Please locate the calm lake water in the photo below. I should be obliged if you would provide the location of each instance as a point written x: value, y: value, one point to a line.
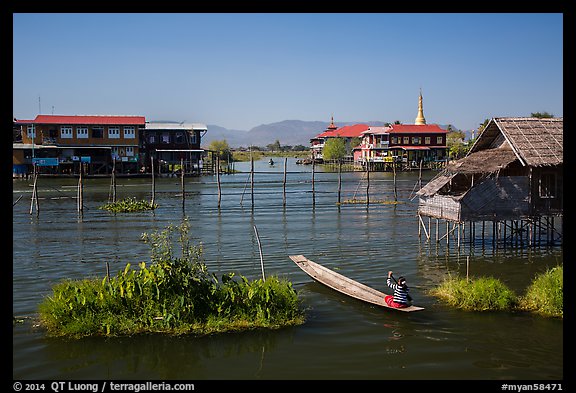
x: 342, y: 338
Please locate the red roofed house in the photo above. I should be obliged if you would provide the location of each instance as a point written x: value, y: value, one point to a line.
x: 346, y: 132
x: 57, y: 143
x: 405, y: 143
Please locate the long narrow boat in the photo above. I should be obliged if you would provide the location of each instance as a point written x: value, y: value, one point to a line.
x: 344, y: 284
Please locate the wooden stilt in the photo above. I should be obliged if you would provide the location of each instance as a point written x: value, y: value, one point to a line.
x: 284, y: 183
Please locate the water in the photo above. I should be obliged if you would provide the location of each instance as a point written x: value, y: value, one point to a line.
x: 342, y: 338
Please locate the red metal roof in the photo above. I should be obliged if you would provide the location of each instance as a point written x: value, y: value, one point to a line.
x: 416, y: 129
x: 345, y: 132
x: 92, y: 119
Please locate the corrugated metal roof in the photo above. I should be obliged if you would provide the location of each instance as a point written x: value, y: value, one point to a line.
x: 346, y: 132
x: 176, y: 126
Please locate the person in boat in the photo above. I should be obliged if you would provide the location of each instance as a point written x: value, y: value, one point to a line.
x: 401, y: 298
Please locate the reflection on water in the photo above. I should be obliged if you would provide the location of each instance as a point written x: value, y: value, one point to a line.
x: 342, y: 338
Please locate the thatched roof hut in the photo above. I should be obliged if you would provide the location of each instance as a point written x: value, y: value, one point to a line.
x: 508, y: 173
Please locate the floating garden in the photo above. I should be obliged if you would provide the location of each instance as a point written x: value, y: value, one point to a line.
x: 127, y: 205
x: 172, y: 295
x: 544, y: 296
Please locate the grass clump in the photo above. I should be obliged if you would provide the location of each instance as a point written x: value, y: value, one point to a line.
x: 128, y: 205
x: 481, y: 294
x: 545, y: 294
x: 174, y: 295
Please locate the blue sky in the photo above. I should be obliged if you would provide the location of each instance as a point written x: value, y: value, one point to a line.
x: 242, y: 70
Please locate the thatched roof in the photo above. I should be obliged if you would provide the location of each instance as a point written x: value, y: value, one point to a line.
x: 484, y: 161
x: 535, y: 141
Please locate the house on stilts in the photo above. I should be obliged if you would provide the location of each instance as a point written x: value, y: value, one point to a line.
x: 512, y: 179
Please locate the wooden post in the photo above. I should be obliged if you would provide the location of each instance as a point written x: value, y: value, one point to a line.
x: 218, y: 179
x: 313, y: 190
x: 367, y: 183
x: 339, y: 179
x: 182, y: 185
x: 153, y: 182
x: 34, y: 200
x: 252, y: 178
x: 420, y: 174
x: 394, y: 171
x: 467, y: 267
x: 80, y: 202
x: 113, y: 179
x: 260, y: 249
x: 284, y: 183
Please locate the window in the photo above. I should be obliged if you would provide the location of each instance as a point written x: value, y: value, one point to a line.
x: 98, y: 132
x: 114, y: 152
x: 66, y: 132
x: 179, y: 137
x: 548, y: 185
x: 394, y: 140
x: 406, y: 140
x: 193, y: 139
x: 82, y: 132
x: 165, y: 137
x: 114, y: 132
x: 31, y: 131
x: 415, y: 140
x: 152, y: 138
x: 439, y: 140
x: 129, y: 133
x: 427, y: 140
x: 129, y: 151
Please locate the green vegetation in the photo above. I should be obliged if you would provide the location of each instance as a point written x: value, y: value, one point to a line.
x: 485, y: 293
x: 128, y: 205
x: 334, y: 149
x: 174, y: 295
x: 544, y: 296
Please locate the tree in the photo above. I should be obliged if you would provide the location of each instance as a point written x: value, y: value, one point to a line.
x: 274, y: 146
x: 542, y: 115
x: 334, y: 149
x: 222, y: 148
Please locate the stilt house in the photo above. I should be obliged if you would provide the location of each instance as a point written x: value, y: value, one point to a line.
x: 514, y: 171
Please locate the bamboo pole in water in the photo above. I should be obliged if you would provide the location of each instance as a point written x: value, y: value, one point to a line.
x: 218, y: 179
x: 182, y: 186
x: 34, y: 200
x: 153, y: 182
x: 367, y: 183
x: 313, y: 189
x: 284, y: 183
x: 339, y: 179
x: 113, y: 180
x: 80, y: 195
x: 252, y: 178
x: 260, y: 249
x: 395, y: 192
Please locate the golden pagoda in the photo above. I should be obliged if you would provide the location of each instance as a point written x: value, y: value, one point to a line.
x: 420, y: 120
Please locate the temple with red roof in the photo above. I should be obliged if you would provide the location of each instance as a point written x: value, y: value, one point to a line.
x: 402, y: 145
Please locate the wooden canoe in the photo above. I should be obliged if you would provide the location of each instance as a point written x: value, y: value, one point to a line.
x: 344, y: 284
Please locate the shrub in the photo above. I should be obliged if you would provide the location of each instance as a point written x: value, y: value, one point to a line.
x: 128, y: 205
x: 481, y: 294
x: 545, y: 294
x: 175, y: 295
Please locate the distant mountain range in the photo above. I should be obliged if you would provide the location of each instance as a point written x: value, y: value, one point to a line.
x: 287, y: 132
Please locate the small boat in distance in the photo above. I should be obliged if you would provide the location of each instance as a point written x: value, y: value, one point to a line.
x: 344, y: 284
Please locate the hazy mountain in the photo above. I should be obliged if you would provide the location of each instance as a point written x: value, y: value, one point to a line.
x: 288, y: 132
